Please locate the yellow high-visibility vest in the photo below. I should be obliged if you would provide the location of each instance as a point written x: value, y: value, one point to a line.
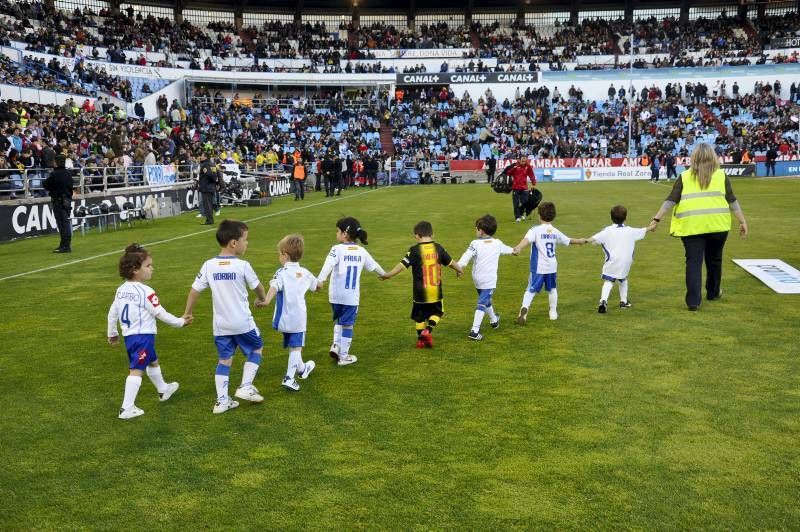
x: 701, y: 211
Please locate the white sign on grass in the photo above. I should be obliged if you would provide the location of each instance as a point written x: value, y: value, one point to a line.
x: 774, y: 273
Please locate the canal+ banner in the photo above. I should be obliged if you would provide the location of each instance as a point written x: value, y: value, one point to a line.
x: 449, y: 78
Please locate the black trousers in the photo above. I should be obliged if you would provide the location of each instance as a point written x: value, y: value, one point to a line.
x: 520, y: 198
x: 771, y: 166
x: 703, y: 248
x: 330, y: 184
x: 61, y: 210
x: 671, y: 173
x: 208, y: 205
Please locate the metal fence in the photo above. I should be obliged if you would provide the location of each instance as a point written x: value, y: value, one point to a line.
x: 29, y: 183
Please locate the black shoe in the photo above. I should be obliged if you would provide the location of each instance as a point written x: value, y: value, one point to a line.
x: 62, y: 250
x: 625, y: 304
x: 693, y: 308
x: 206, y: 223
x: 601, y: 309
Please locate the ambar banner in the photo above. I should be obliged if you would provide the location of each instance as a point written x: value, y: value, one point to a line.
x: 447, y: 78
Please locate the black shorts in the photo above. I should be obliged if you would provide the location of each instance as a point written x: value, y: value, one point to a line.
x: 421, y: 312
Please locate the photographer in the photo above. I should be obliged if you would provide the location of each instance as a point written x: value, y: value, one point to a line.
x: 59, y: 185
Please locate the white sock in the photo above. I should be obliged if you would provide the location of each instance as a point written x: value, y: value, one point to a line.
x: 344, y: 346
x: 605, y: 293
x: 477, y: 320
x: 249, y: 373
x: 156, y: 378
x: 527, y: 298
x: 623, y: 291
x: 491, y: 314
x: 221, y: 382
x: 337, y: 334
x: 295, y: 363
x: 552, y: 298
x: 132, y: 384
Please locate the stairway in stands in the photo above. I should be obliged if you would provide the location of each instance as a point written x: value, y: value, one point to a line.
x: 387, y: 142
x: 708, y: 116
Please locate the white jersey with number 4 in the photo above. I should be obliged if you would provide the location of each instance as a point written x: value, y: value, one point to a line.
x: 486, y: 252
x: 347, y: 262
x: 544, y: 238
x: 136, y: 307
x: 229, y: 278
x: 618, y: 242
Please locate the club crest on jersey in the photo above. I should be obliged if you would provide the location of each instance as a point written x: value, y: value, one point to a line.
x: 153, y: 298
x: 224, y: 263
x: 351, y: 248
x: 298, y: 275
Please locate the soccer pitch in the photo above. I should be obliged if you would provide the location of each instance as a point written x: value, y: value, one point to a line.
x: 650, y: 417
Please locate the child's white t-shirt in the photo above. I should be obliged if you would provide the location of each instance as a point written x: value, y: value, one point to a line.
x: 136, y: 306
x: 229, y: 278
x: 346, y: 261
x: 292, y: 282
x: 618, y: 242
x: 543, y: 239
x: 486, y: 252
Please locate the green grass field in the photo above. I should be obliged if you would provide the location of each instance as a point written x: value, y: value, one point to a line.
x: 646, y: 418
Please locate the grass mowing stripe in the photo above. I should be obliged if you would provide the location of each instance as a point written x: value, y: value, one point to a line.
x: 181, y: 237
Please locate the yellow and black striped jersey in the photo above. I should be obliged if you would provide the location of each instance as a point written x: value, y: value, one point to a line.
x: 425, y: 260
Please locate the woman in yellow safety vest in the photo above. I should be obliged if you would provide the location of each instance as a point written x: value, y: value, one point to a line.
x: 299, y: 179
x: 702, y: 201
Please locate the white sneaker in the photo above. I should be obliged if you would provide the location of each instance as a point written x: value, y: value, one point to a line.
x: 171, y: 389
x: 310, y: 365
x: 224, y: 406
x: 249, y: 393
x: 553, y: 315
x: 518, y: 220
x: 347, y: 360
x: 216, y: 213
x: 130, y: 413
x: 199, y: 215
x: 334, y: 351
x: 290, y: 384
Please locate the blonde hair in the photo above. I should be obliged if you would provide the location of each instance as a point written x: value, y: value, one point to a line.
x: 293, y: 246
x: 704, y: 162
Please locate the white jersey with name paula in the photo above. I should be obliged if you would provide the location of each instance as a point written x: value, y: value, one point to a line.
x: 229, y: 279
x: 486, y: 252
x: 291, y: 282
x: 136, y: 307
x: 618, y: 242
x: 544, y: 238
x: 347, y: 262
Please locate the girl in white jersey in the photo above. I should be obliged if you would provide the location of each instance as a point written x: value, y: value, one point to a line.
x: 346, y: 261
x: 136, y: 306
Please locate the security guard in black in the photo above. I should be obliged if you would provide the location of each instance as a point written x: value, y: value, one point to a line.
x: 59, y: 185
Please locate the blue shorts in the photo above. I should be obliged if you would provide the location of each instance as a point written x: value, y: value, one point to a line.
x: 141, y: 350
x: 485, y: 296
x: 609, y: 278
x: 297, y: 339
x: 248, y: 343
x: 344, y: 314
x: 538, y: 280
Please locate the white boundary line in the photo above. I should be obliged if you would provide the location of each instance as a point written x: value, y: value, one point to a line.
x: 189, y: 235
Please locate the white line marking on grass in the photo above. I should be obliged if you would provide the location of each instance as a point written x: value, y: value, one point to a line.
x: 181, y: 237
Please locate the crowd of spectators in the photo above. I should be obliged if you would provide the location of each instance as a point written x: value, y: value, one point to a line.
x: 723, y: 40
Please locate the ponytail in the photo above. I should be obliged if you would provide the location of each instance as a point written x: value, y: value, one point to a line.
x: 352, y: 227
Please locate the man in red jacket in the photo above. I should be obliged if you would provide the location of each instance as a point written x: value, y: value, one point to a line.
x: 520, y: 173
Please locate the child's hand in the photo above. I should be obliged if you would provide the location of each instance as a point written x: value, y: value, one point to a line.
x: 260, y: 303
x: 113, y: 340
x: 459, y: 274
x: 515, y: 252
x: 320, y: 284
x: 187, y: 320
x: 652, y: 227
